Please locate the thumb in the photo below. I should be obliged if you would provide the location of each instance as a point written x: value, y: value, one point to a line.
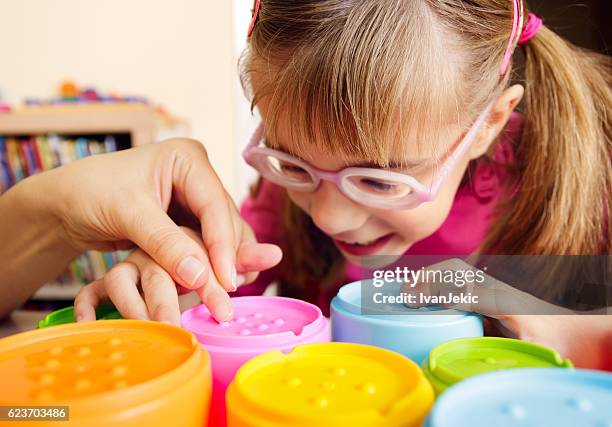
x: 153, y: 231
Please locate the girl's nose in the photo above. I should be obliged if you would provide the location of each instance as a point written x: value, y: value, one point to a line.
x: 333, y: 212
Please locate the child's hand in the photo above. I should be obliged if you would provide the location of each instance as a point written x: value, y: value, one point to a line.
x: 121, y: 284
x: 583, y: 338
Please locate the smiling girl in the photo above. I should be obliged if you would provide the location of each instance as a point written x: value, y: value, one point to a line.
x: 389, y: 128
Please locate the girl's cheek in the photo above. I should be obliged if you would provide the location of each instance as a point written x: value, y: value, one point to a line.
x: 302, y: 200
x: 416, y: 224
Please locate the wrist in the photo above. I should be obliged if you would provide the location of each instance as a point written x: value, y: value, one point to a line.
x: 41, y: 201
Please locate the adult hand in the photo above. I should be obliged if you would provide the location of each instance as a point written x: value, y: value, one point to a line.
x: 121, y: 199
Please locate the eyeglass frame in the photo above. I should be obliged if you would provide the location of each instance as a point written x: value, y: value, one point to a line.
x: 419, y: 194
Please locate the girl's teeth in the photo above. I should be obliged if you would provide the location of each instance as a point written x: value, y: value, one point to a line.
x: 366, y: 243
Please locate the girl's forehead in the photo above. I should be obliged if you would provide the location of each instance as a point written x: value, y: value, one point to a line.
x: 408, y: 152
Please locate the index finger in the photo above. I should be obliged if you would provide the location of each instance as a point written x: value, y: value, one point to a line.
x: 199, y: 186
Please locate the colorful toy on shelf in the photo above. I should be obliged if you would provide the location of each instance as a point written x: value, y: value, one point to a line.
x: 117, y: 372
x: 331, y: 384
x: 259, y: 324
x: 411, y: 332
x: 454, y: 361
x: 66, y: 315
x: 89, y: 94
x: 527, y: 397
x: 69, y: 91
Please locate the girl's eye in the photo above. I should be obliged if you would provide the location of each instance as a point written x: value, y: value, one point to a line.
x: 289, y: 169
x: 293, y: 172
x: 379, y: 186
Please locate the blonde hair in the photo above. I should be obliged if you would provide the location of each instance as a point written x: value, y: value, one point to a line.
x: 358, y: 77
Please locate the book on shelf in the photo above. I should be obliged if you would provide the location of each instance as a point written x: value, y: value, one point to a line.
x: 21, y: 157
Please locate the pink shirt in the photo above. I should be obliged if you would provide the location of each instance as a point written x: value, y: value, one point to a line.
x: 462, y: 233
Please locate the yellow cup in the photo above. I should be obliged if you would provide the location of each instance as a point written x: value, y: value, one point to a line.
x: 330, y: 384
x: 127, y: 373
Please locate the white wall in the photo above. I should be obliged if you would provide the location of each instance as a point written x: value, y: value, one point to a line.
x: 180, y: 53
x: 246, y: 123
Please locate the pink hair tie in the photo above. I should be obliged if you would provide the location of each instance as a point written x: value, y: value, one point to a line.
x: 256, y: 5
x: 534, y: 23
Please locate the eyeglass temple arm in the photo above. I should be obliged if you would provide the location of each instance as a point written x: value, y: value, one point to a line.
x: 254, y: 141
x: 450, y: 164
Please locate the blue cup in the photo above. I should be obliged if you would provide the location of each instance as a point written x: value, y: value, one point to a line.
x: 411, y: 332
x: 527, y: 396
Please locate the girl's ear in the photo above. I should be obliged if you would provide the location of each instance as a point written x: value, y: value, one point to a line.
x: 498, y: 117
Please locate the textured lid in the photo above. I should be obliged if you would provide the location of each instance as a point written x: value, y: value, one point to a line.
x: 349, y: 299
x: 258, y: 322
x: 527, y: 397
x: 331, y: 384
x: 85, y: 361
x: 66, y: 315
x: 455, y: 360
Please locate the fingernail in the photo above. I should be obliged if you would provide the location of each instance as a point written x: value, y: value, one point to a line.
x: 234, y: 279
x: 224, y: 312
x: 189, y: 270
x: 240, y: 280
x: 78, y: 318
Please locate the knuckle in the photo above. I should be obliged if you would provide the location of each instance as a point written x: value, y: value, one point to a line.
x: 218, y: 246
x: 163, y: 239
x: 206, y: 292
x: 158, y: 309
x: 82, y: 294
x: 116, y: 274
x: 155, y: 276
x: 190, y: 146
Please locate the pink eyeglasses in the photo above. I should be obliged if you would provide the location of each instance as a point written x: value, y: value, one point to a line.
x: 374, y: 187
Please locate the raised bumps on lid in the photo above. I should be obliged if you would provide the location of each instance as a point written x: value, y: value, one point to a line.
x: 456, y: 360
x: 527, y: 397
x: 329, y: 384
x: 256, y: 320
x: 78, y: 361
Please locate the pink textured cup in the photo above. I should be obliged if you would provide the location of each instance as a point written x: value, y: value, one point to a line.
x: 260, y: 324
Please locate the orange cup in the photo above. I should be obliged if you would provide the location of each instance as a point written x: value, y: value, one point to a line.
x: 111, y: 372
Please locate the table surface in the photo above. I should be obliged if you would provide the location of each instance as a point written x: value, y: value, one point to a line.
x: 20, y: 321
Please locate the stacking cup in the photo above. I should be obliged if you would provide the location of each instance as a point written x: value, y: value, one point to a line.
x: 329, y: 385
x: 118, y: 372
x: 259, y: 324
x: 454, y: 361
x: 411, y: 332
x: 527, y: 397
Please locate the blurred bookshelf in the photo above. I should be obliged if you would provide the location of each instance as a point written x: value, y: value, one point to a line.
x: 35, y: 138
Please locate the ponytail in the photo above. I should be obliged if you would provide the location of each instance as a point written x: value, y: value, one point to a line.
x: 562, y: 205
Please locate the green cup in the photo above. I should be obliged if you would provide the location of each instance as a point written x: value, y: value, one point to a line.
x: 456, y: 360
x: 66, y: 315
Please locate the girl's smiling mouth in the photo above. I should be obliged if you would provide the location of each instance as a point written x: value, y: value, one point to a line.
x: 366, y: 248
